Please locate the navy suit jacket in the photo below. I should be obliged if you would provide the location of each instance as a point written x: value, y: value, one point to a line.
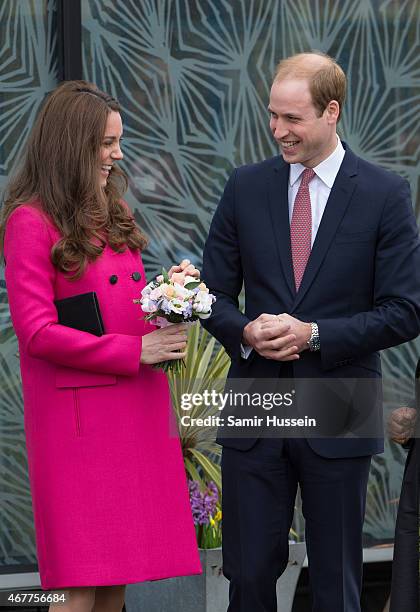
x: 361, y: 284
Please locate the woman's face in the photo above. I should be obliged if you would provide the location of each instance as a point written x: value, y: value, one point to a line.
x: 111, y: 145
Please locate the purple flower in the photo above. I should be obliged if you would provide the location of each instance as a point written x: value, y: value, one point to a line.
x: 187, y: 312
x: 203, y: 503
x: 165, y: 306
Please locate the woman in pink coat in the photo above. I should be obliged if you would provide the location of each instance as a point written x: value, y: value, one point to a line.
x: 108, y: 484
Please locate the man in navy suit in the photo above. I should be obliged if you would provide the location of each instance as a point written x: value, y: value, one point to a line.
x: 327, y: 248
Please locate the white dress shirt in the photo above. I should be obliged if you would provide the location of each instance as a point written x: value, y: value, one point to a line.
x: 319, y: 190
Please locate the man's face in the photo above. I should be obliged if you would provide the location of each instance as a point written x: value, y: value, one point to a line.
x: 301, y: 134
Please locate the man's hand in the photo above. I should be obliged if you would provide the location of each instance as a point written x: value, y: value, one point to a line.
x: 271, y: 338
x: 284, y: 324
x: 300, y: 329
x: 401, y: 424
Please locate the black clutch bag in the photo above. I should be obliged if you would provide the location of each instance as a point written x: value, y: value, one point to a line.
x: 81, y: 312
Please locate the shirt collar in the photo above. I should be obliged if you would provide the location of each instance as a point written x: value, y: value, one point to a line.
x: 327, y: 170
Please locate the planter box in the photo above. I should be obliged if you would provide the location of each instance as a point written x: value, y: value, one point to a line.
x: 210, y: 591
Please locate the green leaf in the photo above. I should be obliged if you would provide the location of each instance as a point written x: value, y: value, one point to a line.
x: 192, y: 471
x: 206, y: 367
x: 209, y: 467
x: 192, y: 285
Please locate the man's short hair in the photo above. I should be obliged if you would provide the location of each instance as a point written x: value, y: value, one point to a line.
x: 327, y: 80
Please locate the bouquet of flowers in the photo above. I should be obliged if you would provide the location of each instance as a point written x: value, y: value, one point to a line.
x: 207, y: 516
x: 178, y: 299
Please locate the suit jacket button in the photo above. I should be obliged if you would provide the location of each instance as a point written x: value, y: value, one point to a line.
x: 136, y: 276
x: 113, y: 279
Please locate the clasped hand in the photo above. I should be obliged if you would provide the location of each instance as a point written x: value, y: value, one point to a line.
x: 279, y: 337
x: 401, y: 424
x: 168, y: 343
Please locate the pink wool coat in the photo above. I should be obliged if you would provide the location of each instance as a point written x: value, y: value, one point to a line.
x: 108, y: 485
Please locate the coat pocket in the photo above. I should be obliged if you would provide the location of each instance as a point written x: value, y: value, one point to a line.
x: 74, y: 381
x: 70, y: 378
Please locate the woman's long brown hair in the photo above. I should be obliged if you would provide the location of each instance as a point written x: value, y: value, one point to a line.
x: 61, y: 166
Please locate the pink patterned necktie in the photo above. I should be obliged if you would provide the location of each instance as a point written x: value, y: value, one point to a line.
x: 301, y: 227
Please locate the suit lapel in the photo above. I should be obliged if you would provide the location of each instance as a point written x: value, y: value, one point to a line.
x: 337, y: 203
x: 279, y: 211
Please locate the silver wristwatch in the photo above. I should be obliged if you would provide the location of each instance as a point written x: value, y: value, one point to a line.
x: 313, y: 342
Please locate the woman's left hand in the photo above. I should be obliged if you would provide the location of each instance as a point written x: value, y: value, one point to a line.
x: 186, y: 268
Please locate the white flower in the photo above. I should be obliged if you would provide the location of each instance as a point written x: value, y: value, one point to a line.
x: 148, y: 305
x: 181, y: 292
x: 190, y: 279
x: 177, y: 307
x: 146, y: 290
x: 203, y: 315
x: 203, y: 302
x: 156, y: 293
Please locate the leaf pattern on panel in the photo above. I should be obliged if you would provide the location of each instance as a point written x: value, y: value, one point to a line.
x: 27, y: 70
x: 16, y: 521
x: 6, y: 329
x: 27, y: 73
x: 193, y: 77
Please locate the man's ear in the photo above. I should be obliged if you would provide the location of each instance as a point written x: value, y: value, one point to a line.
x: 332, y: 111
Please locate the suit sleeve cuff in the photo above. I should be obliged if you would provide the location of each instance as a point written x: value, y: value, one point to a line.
x: 246, y: 351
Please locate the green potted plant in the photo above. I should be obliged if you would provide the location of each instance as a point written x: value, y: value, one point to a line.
x: 205, y: 368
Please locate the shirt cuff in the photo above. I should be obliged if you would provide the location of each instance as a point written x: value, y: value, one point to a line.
x: 246, y: 351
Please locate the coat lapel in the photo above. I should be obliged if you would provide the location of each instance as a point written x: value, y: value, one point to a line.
x: 279, y: 211
x: 337, y: 203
